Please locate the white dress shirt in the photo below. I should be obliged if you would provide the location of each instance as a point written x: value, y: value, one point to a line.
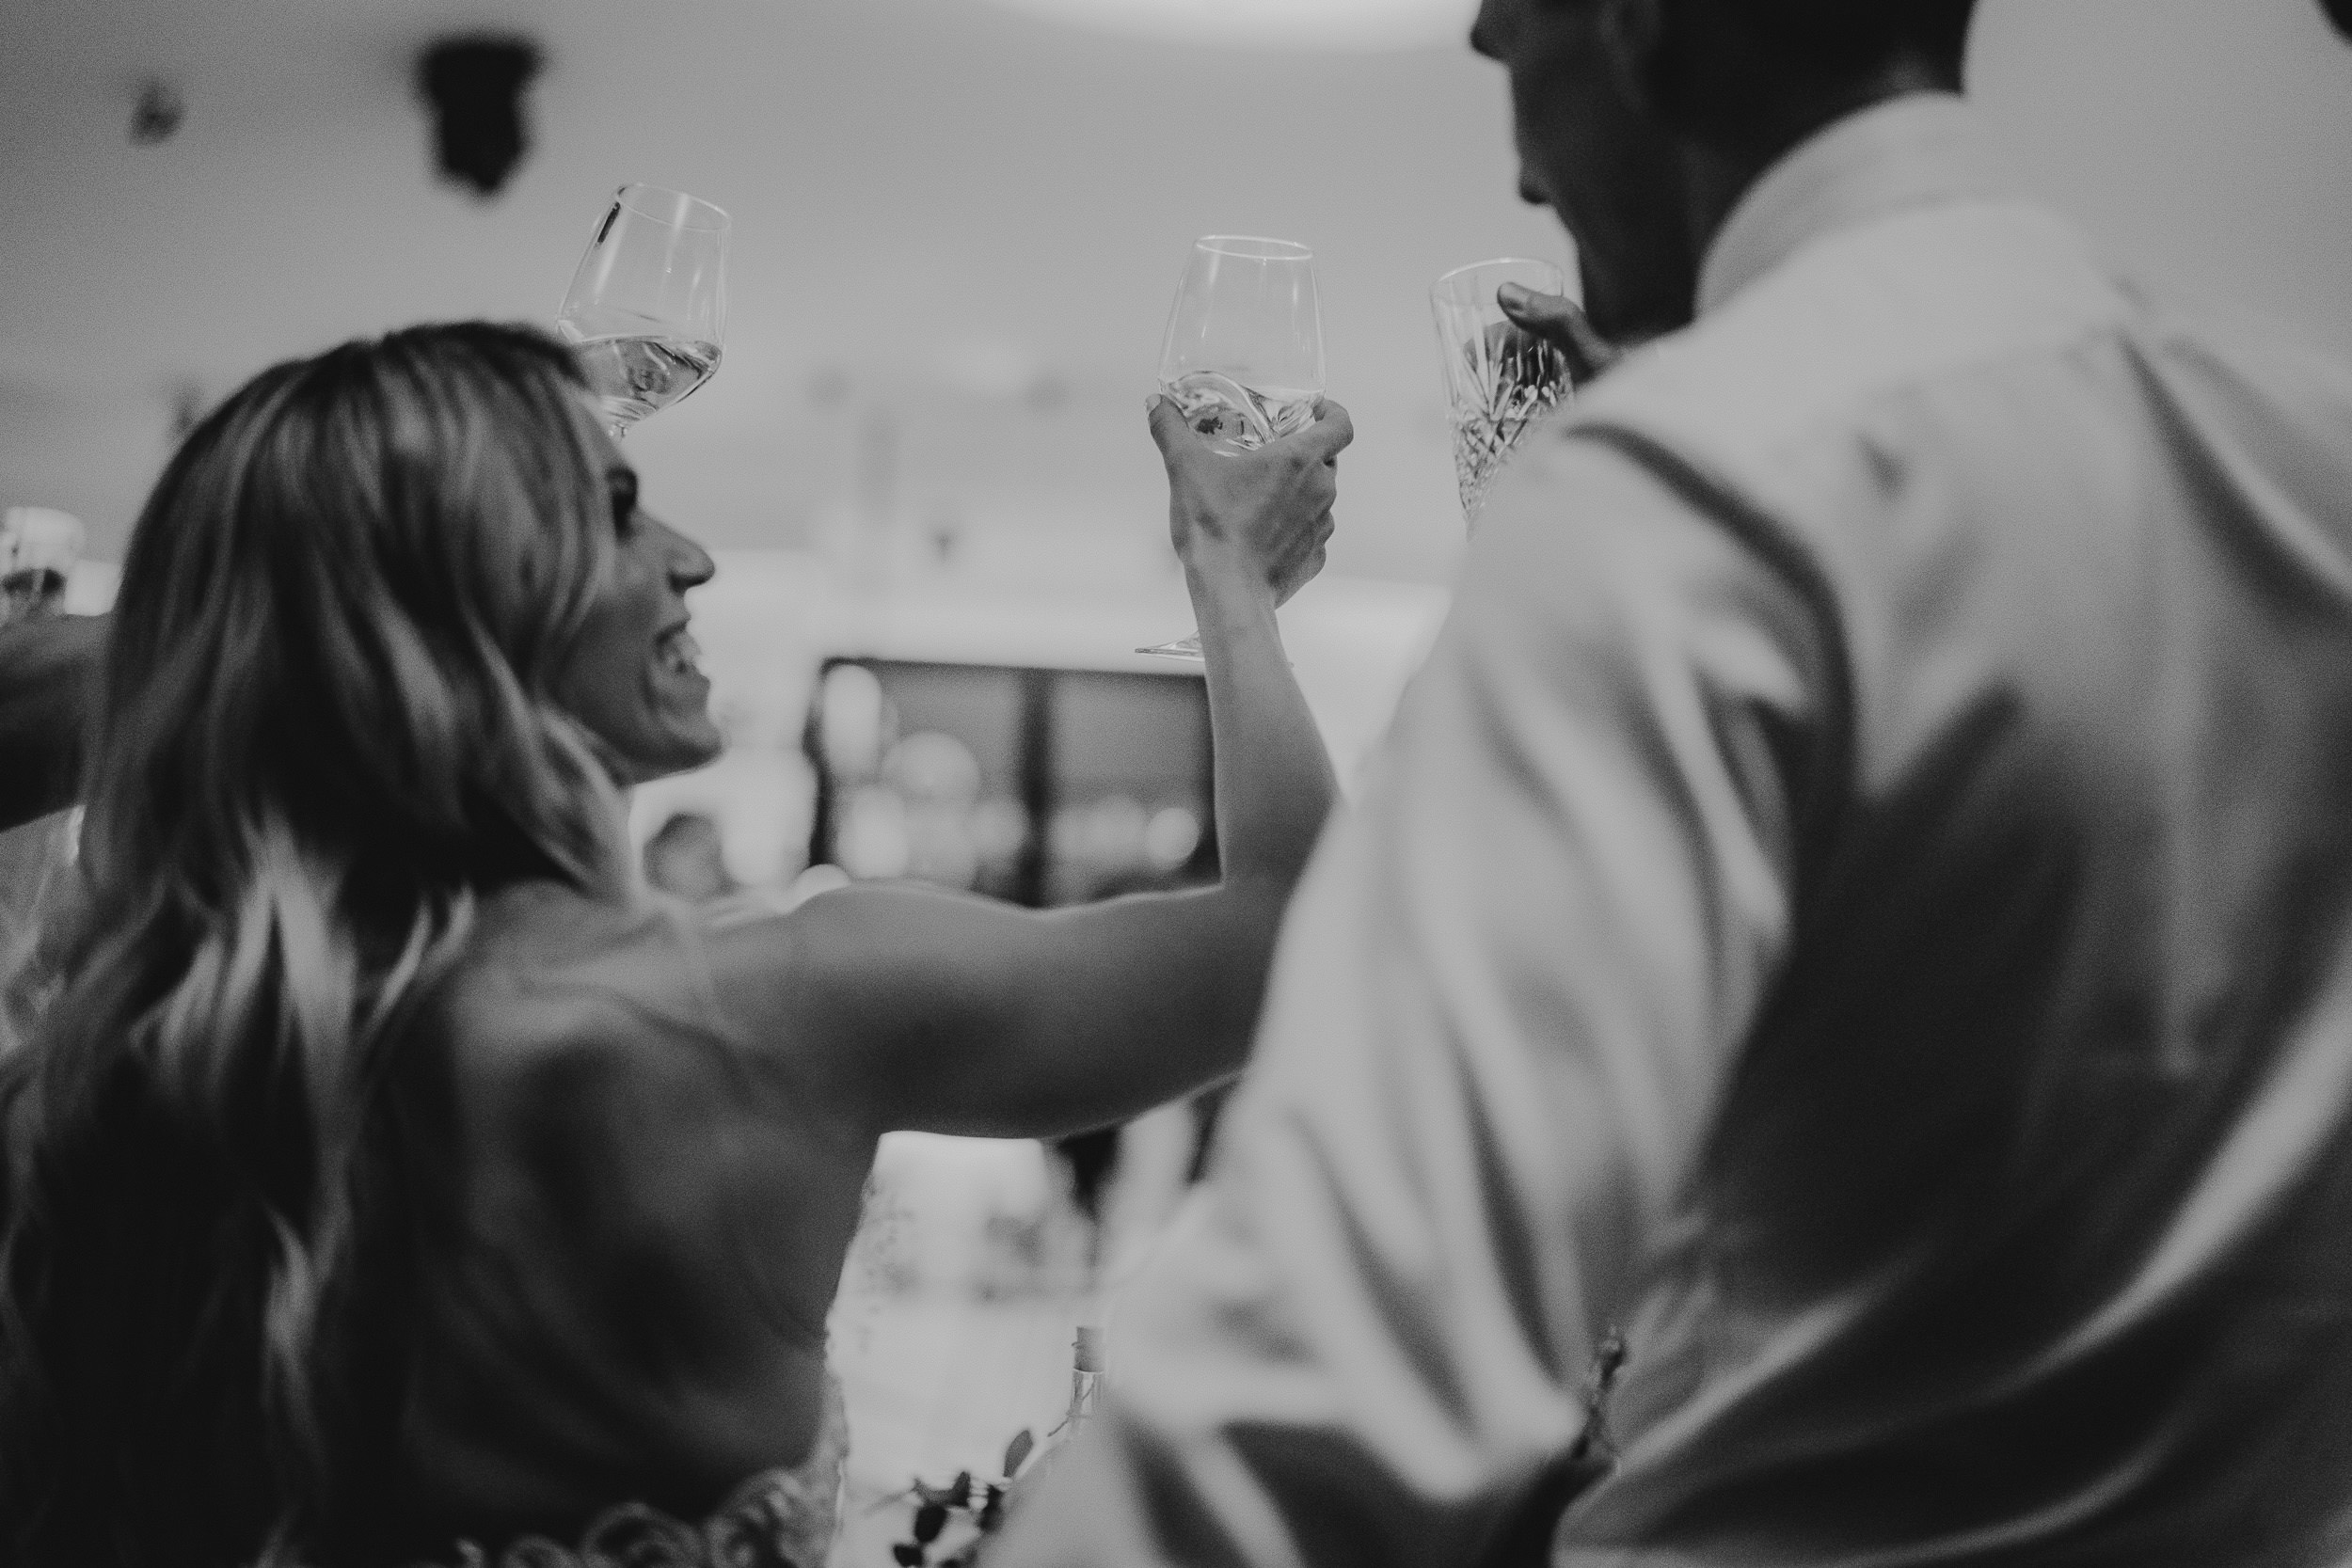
x: 1861, y: 895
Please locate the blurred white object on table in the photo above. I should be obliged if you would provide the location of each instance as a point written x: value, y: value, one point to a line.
x: 39, y: 549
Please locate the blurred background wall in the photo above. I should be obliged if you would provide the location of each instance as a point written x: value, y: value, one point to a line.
x: 957, y: 224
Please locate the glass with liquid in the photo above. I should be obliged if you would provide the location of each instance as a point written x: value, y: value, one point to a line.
x: 1244, y: 353
x: 1500, y: 381
x: 648, y: 301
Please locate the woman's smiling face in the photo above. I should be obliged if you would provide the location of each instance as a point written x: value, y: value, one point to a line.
x: 630, y: 674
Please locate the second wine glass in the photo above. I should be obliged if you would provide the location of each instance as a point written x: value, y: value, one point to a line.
x: 648, y: 302
x: 1244, y: 353
x: 1500, y: 381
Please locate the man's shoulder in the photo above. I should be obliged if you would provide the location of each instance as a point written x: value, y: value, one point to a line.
x: 1972, y: 334
x: 1859, y: 316
x: 2261, y: 362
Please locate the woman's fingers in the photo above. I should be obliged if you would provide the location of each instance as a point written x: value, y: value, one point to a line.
x: 1334, y: 429
x: 1292, y: 574
x: 1170, y: 430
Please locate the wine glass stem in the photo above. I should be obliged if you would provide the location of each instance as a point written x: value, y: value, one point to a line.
x: 1183, y: 647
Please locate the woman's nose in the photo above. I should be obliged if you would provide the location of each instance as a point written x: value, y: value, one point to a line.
x: 690, y: 565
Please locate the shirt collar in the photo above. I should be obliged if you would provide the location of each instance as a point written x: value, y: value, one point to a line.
x: 1920, y: 148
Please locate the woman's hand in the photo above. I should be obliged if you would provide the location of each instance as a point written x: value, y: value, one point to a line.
x: 1265, y: 514
x: 1561, y: 323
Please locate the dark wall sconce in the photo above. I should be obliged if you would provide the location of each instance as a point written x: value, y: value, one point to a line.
x: 474, y: 86
x: 157, y: 113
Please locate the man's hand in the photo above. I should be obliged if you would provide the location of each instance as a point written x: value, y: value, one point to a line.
x: 1267, y: 512
x: 1561, y: 321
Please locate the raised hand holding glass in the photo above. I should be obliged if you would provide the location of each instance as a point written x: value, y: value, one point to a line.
x: 1244, y: 353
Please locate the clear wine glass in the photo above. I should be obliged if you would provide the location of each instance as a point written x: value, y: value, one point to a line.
x: 648, y: 301
x: 1500, y: 380
x: 1244, y: 353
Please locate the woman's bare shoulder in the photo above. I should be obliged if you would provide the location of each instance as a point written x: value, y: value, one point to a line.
x: 618, y: 1132
x: 545, y: 966
x: 585, y: 1034
x: 846, y: 991
x: 791, y: 976
x: 824, y: 1005
x: 568, y: 1000
x: 861, y: 959
x: 766, y: 996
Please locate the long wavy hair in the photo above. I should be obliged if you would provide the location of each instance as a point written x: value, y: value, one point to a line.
x: 327, y: 729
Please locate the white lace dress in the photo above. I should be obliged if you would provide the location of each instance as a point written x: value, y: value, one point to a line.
x: 776, y: 1519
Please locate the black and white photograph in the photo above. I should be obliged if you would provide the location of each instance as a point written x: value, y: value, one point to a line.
x: 1176, y: 783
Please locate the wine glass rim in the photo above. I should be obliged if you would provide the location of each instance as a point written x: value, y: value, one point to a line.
x: 1255, y: 247
x: 1552, y: 267
x: 686, y: 210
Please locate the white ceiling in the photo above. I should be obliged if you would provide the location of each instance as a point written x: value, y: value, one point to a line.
x: 1310, y: 25
x: 957, y: 223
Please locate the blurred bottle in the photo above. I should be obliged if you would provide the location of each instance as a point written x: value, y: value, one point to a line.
x: 1086, y: 1381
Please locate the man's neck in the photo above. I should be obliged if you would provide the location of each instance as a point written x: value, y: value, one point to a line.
x: 1717, y: 175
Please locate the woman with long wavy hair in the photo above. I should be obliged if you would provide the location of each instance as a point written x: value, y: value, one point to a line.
x: 386, y: 1176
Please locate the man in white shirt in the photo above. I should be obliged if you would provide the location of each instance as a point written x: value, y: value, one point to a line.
x: 1861, y: 896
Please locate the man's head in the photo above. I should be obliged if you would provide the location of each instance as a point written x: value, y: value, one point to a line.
x: 2339, y: 12
x: 1640, y: 121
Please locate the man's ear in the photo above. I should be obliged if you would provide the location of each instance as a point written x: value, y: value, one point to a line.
x: 1633, y: 33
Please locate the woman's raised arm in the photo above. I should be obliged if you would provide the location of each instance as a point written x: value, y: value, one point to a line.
x: 950, y: 1013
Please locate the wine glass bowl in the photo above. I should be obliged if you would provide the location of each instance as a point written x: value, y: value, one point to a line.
x: 647, y: 305
x: 1242, y: 357
x: 1500, y: 380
